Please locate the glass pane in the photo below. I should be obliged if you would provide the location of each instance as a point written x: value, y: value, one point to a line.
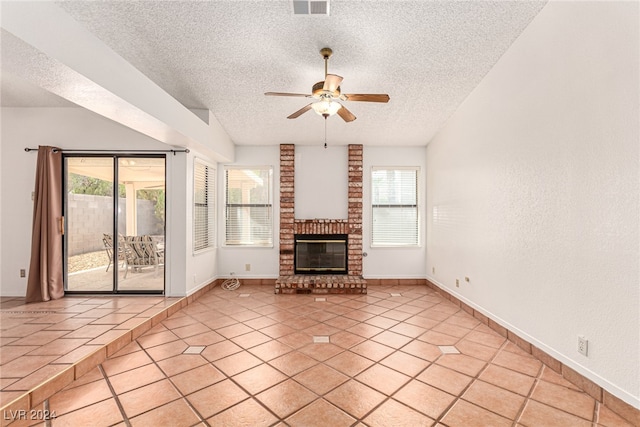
x: 91, y: 252
x: 141, y: 223
x: 248, y: 207
x: 395, y: 226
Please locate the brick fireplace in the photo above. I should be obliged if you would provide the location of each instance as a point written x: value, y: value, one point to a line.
x: 289, y: 282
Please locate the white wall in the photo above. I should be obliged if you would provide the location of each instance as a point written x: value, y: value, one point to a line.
x: 76, y: 128
x: 321, y: 182
x: 394, y: 263
x: 533, y: 191
x: 201, y: 267
x: 264, y: 262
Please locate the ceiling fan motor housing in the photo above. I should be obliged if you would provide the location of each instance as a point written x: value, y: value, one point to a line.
x: 317, y: 90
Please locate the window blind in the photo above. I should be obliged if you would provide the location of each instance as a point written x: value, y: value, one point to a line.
x: 204, y: 220
x: 394, y: 199
x: 248, y: 210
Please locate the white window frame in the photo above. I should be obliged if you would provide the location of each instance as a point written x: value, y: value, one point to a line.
x: 398, y: 244
x: 207, y: 187
x: 267, y: 243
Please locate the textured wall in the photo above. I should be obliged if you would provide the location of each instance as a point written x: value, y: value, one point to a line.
x: 533, y: 191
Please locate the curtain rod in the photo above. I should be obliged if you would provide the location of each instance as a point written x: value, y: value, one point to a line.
x: 186, y: 150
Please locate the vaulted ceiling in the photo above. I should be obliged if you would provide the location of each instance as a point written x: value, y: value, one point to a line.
x: 224, y: 55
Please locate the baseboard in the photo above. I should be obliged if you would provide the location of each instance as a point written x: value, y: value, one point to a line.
x: 603, y: 394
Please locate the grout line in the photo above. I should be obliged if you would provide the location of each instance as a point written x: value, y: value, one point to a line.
x: 531, y: 390
x: 115, y: 396
x: 182, y: 396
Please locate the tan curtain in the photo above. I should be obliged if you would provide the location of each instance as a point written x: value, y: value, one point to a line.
x: 45, y: 271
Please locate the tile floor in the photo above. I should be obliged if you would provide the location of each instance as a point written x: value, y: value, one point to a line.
x: 38, y: 341
x: 408, y: 360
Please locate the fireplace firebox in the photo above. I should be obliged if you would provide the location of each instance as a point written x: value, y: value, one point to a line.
x: 320, y: 254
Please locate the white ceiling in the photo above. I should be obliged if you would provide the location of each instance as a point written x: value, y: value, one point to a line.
x: 223, y: 55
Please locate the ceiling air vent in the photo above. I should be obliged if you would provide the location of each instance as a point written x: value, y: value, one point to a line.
x: 310, y: 7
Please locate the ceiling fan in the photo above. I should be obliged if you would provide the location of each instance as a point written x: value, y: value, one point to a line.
x: 326, y: 94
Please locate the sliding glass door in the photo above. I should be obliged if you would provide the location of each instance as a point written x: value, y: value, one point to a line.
x: 114, y: 234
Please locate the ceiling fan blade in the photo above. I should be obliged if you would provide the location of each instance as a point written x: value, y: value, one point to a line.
x: 371, y: 97
x: 331, y: 82
x: 285, y: 94
x: 346, y: 115
x: 300, y: 112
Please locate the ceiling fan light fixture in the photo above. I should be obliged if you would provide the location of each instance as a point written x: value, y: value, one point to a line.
x: 326, y: 107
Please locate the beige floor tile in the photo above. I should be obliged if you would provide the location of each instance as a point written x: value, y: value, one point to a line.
x: 383, y: 379
x: 24, y: 366
x: 392, y: 414
x: 134, y: 378
x: 445, y: 379
x: 165, y: 351
x: 320, y: 414
x: 568, y: 400
x: 372, y: 350
x: 321, y: 379
x: 217, y: 398
x: 321, y: 351
x: 465, y: 414
x: 355, y: 398
x: 259, y: 378
x: 525, y: 364
x: 236, y: 363
x: 422, y: 350
x: 462, y: 363
x: 251, y: 339
x: 74, y: 398
x: 174, y: 414
x: 126, y: 362
x: 424, y: 398
x: 293, y: 363
x: 106, y: 411
x: 197, y: 379
x: 405, y: 363
x: 270, y: 350
x: 220, y: 350
x: 538, y: 414
x: 508, y: 379
x: 148, y: 397
x: 248, y: 413
x: 392, y: 339
x: 495, y: 399
x: 286, y: 398
x: 180, y: 363
x: 349, y: 363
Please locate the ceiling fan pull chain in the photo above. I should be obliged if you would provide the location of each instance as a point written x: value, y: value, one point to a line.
x: 325, y: 132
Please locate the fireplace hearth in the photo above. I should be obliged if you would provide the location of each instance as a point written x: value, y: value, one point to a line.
x: 320, y: 254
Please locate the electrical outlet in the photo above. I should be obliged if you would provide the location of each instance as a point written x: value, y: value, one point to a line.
x: 247, y: 267
x: 433, y: 270
x: 466, y: 279
x: 23, y: 272
x: 457, y: 283
x: 583, y: 345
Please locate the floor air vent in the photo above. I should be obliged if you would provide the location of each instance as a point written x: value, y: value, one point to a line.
x: 310, y: 7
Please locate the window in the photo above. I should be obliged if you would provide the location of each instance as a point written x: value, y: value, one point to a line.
x: 394, y: 199
x: 204, y: 207
x: 249, y: 211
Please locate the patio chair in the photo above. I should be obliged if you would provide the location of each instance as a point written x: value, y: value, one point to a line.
x: 140, y: 252
x: 107, y: 240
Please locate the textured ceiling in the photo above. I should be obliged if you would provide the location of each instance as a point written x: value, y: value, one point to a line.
x: 223, y: 55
